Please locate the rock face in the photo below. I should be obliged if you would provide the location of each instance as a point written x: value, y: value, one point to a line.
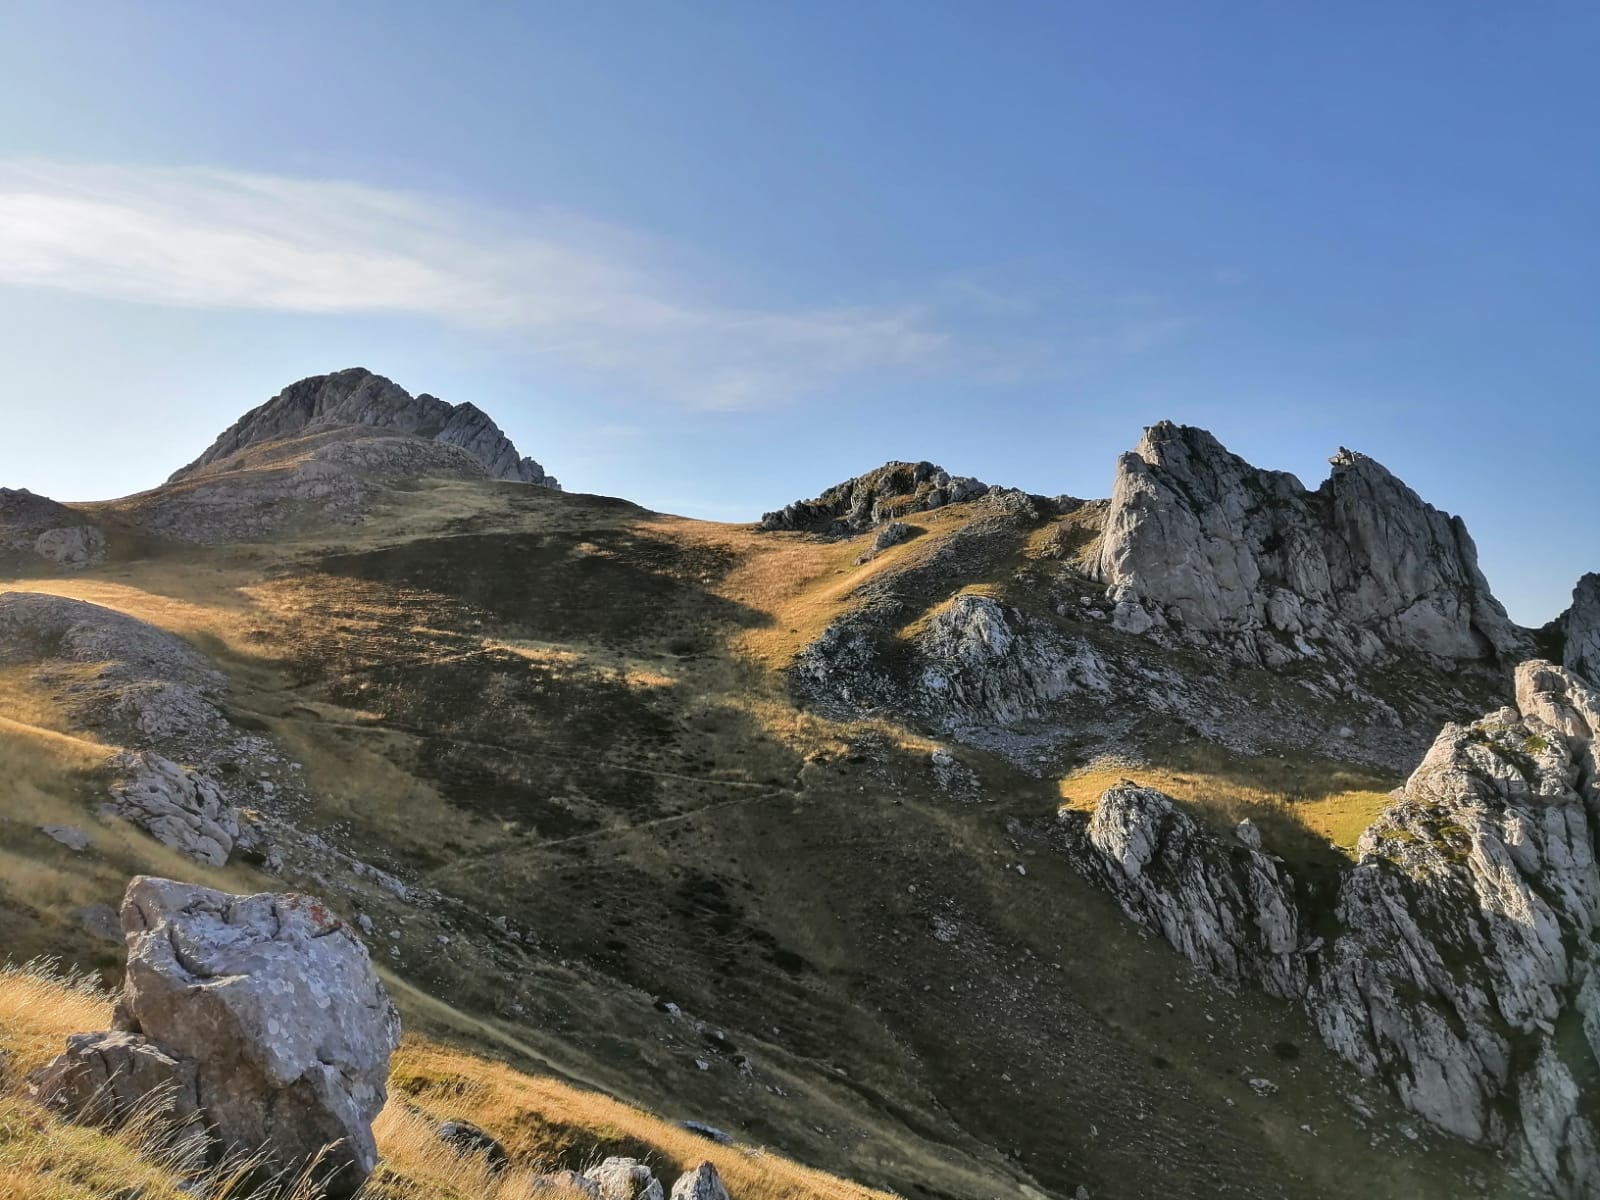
x: 265, y: 1015
x: 894, y: 490
x: 357, y: 397
x: 1228, y: 908
x: 1580, y: 629
x: 35, y: 529
x: 1465, y: 972
x: 1199, y: 541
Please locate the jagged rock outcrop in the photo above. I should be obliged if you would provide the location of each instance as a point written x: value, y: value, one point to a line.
x: 1465, y: 973
x: 985, y: 663
x: 888, y: 493
x: 1200, y: 542
x: 178, y: 807
x: 263, y: 1013
x: 35, y: 529
x: 1579, y: 627
x: 1230, y: 909
x: 151, y: 692
x: 357, y: 397
x: 702, y: 1183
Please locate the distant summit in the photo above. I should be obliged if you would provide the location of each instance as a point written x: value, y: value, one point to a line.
x: 357, y: 398
x: 892, y: 491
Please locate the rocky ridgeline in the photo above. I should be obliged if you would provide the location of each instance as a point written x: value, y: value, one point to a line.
x: 356, y: 398
x: 889, y: 493
x: 1199, y: 542
x: 35, y: 529
x: 1462, y: 969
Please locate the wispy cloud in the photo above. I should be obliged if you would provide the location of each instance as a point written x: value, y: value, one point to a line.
x: 601, y: 298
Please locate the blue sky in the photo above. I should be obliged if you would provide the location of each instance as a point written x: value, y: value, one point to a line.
x: 714, y: 257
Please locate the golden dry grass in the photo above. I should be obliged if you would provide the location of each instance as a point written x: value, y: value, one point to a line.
x: 541, y: 1121
x: 801, y: 584
x: 1332, y: 802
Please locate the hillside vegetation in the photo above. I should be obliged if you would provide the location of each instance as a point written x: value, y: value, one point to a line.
x: 546, y: 1124
x: 567, y: 716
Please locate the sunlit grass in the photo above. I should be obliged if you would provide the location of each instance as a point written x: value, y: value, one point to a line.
x: 543, y: 1122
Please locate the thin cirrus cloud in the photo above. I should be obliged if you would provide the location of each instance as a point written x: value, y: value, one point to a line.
x: 590, y: 295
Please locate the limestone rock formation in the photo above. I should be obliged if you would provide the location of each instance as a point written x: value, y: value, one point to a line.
x: 1465, y: 972
x: 1580, y: 629
x: 356, y: 397
x: 888, y: 493
x: 177, y: 806
x: 702, y: 1183
x: 1227, y: 908
x: 626, y: 1179
x: 271, y: 1006
x: 36, y: 529
x: 105, y: 1078
x: 1199, y: 541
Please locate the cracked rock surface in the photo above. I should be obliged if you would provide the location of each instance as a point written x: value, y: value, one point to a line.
x: 265, y: 1013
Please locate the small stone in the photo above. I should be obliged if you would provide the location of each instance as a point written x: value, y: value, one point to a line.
x: 72, y: 838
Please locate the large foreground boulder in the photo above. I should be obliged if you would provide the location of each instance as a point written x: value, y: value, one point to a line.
x: 261, y: 1013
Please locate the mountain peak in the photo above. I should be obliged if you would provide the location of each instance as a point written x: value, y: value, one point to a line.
x: 359, y: 398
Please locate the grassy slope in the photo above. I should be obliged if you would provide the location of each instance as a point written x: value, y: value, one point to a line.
x: 565, y: 711
x: 544, y: 1123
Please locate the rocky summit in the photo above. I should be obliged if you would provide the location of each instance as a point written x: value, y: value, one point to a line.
x: 1219, y: 836
x: 1199, y: 540
x: 358, y: 399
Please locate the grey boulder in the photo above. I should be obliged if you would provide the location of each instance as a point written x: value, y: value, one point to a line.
x: 105, y: 1078
x: 176, y: 806
x: 273, y: 1006
x: 626, y: 1179
x: 702, y: 1183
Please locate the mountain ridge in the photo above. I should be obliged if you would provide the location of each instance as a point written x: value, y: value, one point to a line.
x: 624, y: 793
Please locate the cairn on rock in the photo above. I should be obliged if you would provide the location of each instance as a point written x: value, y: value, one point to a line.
x: 255, y: 1019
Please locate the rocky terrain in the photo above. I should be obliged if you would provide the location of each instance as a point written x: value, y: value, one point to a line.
x: 1457, y: 962
x: 35, y: 527
x: 963, y: 841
